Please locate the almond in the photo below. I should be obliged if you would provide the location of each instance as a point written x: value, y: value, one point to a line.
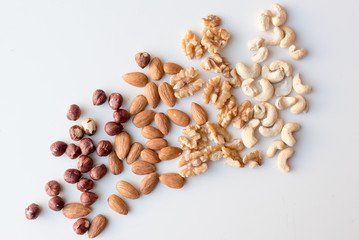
x: 142, y: 59
x: 127, y: 190
x: 151, y: 93
x: 149, y: 183
x: 178, y: 117
x: 162, y: 123
x: 172, y: 180
x: 156, y: 69
x: 138, y: 104
x: 75, y: 210
x: 172, y: 68
x: 167, y: 94
x: 157, y: 143
x: 135, y: 152
x: 115, y: 164
x: 117, y: 204
x: 199, y: 115
x: 150, y: 156
x: 168, y: 153
x: 136, y: 79
x: 122, y: 145
x: 143, y: 168
x: 143, y: 118
x: 150, y: 132
x: 98, y: 224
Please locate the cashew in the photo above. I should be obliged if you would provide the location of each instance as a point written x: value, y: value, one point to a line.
x: 285, y: 102
x: 274, y: 147
x: 278, y: 35
x: 283, y: 157
x: 283, y: 65
x: 246, y: 72
x: 248, y: 138
x: 255, y: 43
x: 264, y: 20
x: 261, y: 55
x: 300, y: 106
x: 273, y: 76
x: 272, y: 131
x: 299, y: 87
x: 285, y: 88
x: 295, y: 53
x: 259, y: 111
x: 289, y: 37
x: 267, y: 91
x: 279, y: 15
x: 271, y: 116
x: 248, y: 88
x: 287, y: 133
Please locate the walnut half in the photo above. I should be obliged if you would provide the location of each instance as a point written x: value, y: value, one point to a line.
x: 192, y: 46
x: 185, y: 82
x: 253, y: 158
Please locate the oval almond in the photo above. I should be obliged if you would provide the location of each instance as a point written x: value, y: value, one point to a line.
x: 127, y: 190
x: 172, y: 180
x: 136, y: 79
x: 149, y: 183
x: 97, y: 225
x: 167, y: 94
x: 117, y: 204
x: 150, y: 156
x: 156, y: 69
x: 172, y: 68
x: 157, y: 143
x: 178, y: 117
x: 115, y: 164
x: 150, y: 132
x: 143, y: 168
x: 75, y: 210
x: 168, y: 153
x: 199, y: 115
x: 134, y: 153
x: 122, y: 144
x: 138, y: 104
x: 143, y: 118
x: 151, y: 93
x: 162, y: 123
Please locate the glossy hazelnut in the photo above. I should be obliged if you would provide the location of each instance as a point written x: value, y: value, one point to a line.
x: 52, y: 188
x: 87, y: 146
x: 56, y: 203
x: 115, y: 101
x: 84, y: 164
x: 98, y: 172
x: 74, y: 112
x: 32, y: 211
x: 99, y: 97
x: 112, y: 128
x: 89, y: 126
x: 76, y: 133
x: 142, y: 59
x: 73, y: 151
x: 81, y: 226
x: 104, y: 148
x: 58, y: 148
x: 88, y: 198
x: 85, y: 185
x: 72, y: 175
x: 121, y: 116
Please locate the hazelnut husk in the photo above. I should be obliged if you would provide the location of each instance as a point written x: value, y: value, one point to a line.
x: 85, y: 185
x: 98, y: 172
x: 87, y: 146
x: 121, y: 116
x: 74, y: 112
x: 104, y: 148
x: 99, y: 97
x: 73, y: 151
x: 115, y: 101
x: 81, y: 226
x: 142, y: 59
x: 32, y: 211
x: 56, y: 203
x: 52, y: 188
x: 58, y: 148
x: 76, y: 133
x: 88, y: 198
x: 84, y: 164
x: 112, y: 128
x: 72, y: 175
x: 89, y: 126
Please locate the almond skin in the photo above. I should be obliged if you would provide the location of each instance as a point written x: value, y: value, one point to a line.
x: 122, y: 145
x: 157, y: 143
x: 115, y: 164
x: 178, y: 117
x: 98, y: 224
x: 172, y: 68
x: 167, y: 94
x: 143, y: 118
x: 150, y: 156
x: 162, y: 123
x: 149, y: 183
x: 172, y: 180
x: 138, y: 104
x: 136, y: 79
x: 75, y: 210
x: 143, y: 168
x: 168, y: 153
x: 134, y: 153
x: 151, y: 93
x: 156, y: 69
x: 150, y: 132
x: 199, y: 115
x: 127, y: 190
x: 117, y: 204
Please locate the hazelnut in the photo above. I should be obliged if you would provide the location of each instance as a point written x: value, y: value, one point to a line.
x: 87, y: 147
x: 52, y: 188
x: 85, y: 185
x: 121, y: 116
x: 88, y: 198
x: 73, y: 151
x: 115, y: 101
x: 32, y: 211
x: 74, y: 112
x: 112, y: 128
x: 98, y: 172
x: 56, y: 203
x: 58, y: 148
x: 99, y: 97
x: 76, y: 133
x: 81, y: 226
x: 84, y: 164
x: 142, y: 59
x: 72, y: 175
x: 89, y: 126
x: 104, y: 148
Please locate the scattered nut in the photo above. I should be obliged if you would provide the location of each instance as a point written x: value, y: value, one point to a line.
x: 298, y: 85
x: 151, y: 93
x: 272, y: 131
x: 76, y: 133
x: 185, y: 83
x: 122, y: 144
x: 89, y: 126
x: 285, y: 88
x: 115, y: 101
x: 73, y: 151
x: 142, y: 59
x: 191, y: 45
x: 143, y: 168
x: 115, y: 164
x: 98, y: 172
x: 199, y: 115
x: 113, y: 128
x: 104, y: 148
x: 81, y: 226
x: 134, y: 153
x: 214, y: 38
x: 150, y: 156
x: 127, y: 190
x: 255, y: 43
x: 172, y: 180
x: 162, y: 123
x: 52, y: 188
x: 32, y: 211
x: 273, y: 76
x: 253, y: 158
x: 228, y: 112
x: 97, y: 226
x: 245, y: 113
x: 121, y: 116
x: 301, y: 105
x: 143, y: 118
x: 58, y: 148
x: 149, y: 183
x: 278, y: 35
x: 84, y: 164
x: 285, y: 102
x: 283, y: 65
x: 138, y: 104
x: 271, y: 115
x: 136, y: 79
x: 56, y: 203
x: 72, y: 176
x: 74, y: 112
x: 99, y: 97
x: 274, y: 147
x: 259, y: 111
x: 156, y: 69
x: 264, y: 20
x: 289, y: 37
x: 295, y: 53
x: 267, y: 91
x: 248, y: 88
x: 279, y: 15
x: 178, y: 117
x: 248, y: 137
x: 85, y: 185
x: 88, y: 198
x: 261, y: 55
x: 287, y: 133
x: 217, y: 133
x: 283, y: 157
x: 150, y: 132
x: 87, y: 146
x: 211, y: 21
x: 172, y: 68
x: 246, y: 72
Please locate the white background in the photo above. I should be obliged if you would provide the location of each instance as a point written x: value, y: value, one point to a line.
x: 55, y: 53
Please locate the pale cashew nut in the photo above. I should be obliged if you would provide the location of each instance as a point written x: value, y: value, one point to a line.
x: 248, y: 138
x: 272, y: 131
x: 255, y: 43
x: 285, y: 88
x: 283, y: 65
x: 295, y: 53
x: 273, y: 76
x: 246, y: 72
x: 279, y: 15
x: 289, y: 37
x: 267, y: 91
x: 271, y: 116
x: 278, y: 35
x: 259, y: 111
x: 285, y: 102
x: 299, y: 87
x: 287, y: 133
x: 261, y: 55
x: 283, y: 158
x: 300, y: 106
x: 248, y: 88
x: 274, y: 147
x: 264, y: 20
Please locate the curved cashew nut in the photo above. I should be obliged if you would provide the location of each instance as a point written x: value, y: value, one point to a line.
x: 255, y: 43
x: 300, y: 106
x: 272, y: 131
x: 248, y: 88
x: 283, y: 65
x: 295, y: 53
x: 271, y: 116
x: 267, y: 91
x: 273, y: 76
x: 289, y: 37
x: 261, y: 55
x: 278, y: 35
x: 285, y: 88
x: 298, y: 85
x: 274, y: 147
x: 287, y: 133
x: 285, y: 102
x: 264, y: 20
x: 283, y: 157
x: 246, y: 72
x: 259, y: 111
x: 248, y: 138
x: 279, y: 15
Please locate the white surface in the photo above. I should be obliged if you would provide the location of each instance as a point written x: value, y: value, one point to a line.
x: 55, y: 53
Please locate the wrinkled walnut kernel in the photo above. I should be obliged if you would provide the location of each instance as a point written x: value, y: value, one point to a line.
x: 198, y: 138
x: 191, y: 45
x: 253, y: 158
x: 245, y: 113
x: 185, y: 84
x: 214, y: 38
x: 228, y: 112
x: 217, y: 133
x: 211, y: 21
x: 232, y: 157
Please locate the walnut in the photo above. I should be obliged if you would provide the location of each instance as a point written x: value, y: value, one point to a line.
x: 195, y: 163
x: 198, y: 135
x: 192, y: 46
x: 253, y: 158
x: 217, y: 93
x: 214, y: 152
x: 217, y: 133
x: 214, y: 38
x: 218, y: 64
x: 185, y: 84
x: 232, y: 157
x: 211, y: 85
x: 228, y: 112
x: 223, y: 95
x: 192, y: 171
x: 234, y: 79
x: 211, y: 21
x: 236, y: 144
x: 245, y: 113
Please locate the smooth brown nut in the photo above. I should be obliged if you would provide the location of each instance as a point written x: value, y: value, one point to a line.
x: 98, y: 172
x: 32, y: 211
x: 85, y: 185
x: 81, y: 226
x: 134, y: 153
x: 112, y: 128
x: 58, y: 148
x: 72, y: 175
x: 199, y: 115
x: 149, y: 183
x: 73, y: 112
x: 75, y: 210
x: 172, y: 68
x: 178, y: 117
x: 127, y: 190
x: 115, y: 101
x: 122, y: 144
x: 73, y: 151
x: 162, y: 123
x: 143, y: 168
x: 121, y: 116
x: 76, y: 133
x: 117, y: 204
x: 89, y: 126
x: 88, y: 198
x: 150, y: 132
x: 56, y: 203
x: 115, y: 164
x: 143, y: 118
x: 150, y: 156
x: 172, y: 180
x: 142, y: 59
x: 104, y: 148
x: 97, y: 226
x: 136, y: 79
x: 156, y: 69
x: 52, y: 188
x: 168, y: 153
x: 84, y: 164
x: 151, y: 93
x: 167, y: 94
x: 138, y: 104
x: 87, y: 146
x: 157, y: 143
x: 99, y: 97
